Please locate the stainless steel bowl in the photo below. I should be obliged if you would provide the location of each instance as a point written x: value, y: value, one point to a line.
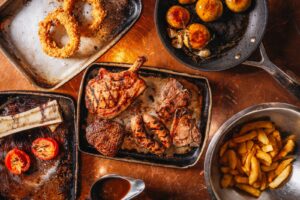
x: 287, y: 118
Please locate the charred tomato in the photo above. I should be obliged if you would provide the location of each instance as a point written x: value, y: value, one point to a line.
x: 45, y: 148
x: 17, y: 161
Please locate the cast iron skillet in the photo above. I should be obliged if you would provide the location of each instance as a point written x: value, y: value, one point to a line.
x: 249, y: 42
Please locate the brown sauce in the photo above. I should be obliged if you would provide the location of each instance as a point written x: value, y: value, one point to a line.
x: 112, y: 189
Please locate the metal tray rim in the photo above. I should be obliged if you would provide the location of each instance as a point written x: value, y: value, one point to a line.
x: 57, y: 95
x: 14, y: 62
x: 125, y: 66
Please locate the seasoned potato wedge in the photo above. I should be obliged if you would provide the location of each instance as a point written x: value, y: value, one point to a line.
x: 249, y: 189
x: 246, y: 137
x: 256, y: 158
x: 281, y: 177
x: 256, y: 125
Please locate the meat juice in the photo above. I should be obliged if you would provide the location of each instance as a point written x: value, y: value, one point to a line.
x: 112, y: 189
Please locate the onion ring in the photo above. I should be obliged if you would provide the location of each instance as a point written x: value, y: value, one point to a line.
x: 49, y: 46
x: 98, y: 14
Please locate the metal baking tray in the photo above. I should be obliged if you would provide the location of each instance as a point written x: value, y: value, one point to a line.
x: 67, y: 107
x: 178, y: 161
x: 19, y: 40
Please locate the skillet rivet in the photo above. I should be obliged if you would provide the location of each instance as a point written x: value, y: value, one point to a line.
x: 253, y: 39
x: 237, y: 56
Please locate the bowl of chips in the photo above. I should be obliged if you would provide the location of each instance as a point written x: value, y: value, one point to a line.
x: 254, y: 154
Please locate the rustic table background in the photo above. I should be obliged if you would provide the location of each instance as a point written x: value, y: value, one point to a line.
x: 233, y: 90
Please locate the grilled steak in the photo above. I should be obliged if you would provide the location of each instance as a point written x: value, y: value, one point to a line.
x: 141, y: 137
x: 155, y: 126
x: 106, y: 136
x: 108, y: 94
x: 184, y: 130
x: 173, y: 96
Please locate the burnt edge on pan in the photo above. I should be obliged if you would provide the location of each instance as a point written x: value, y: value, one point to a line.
x: 67, y: 106
x: 131, y: 15
x: 178, y: 161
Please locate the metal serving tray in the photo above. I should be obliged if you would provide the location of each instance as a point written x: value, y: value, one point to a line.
x: 178, y: 161
x: 19, y: 40
x: 67, y: 106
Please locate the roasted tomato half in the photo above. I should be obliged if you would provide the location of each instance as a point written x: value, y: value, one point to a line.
x: 17, y: 161
x: 45, y: 148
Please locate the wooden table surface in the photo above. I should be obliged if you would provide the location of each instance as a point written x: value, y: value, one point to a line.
x: 233, y: 90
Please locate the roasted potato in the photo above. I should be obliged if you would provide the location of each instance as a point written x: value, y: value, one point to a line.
x: 238, y: 5
x: 178, y: 17
x: 264, y: 157
x: 262, y: 137
x: 226, y: 180
x: 245, y: 137
x: 254, y: 171
x: 186, y: 1
x: 209, y: 10
x: 197, y: 36
x: 288, y: 148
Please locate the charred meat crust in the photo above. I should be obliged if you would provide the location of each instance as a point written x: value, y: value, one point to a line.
x: 173, y: 96
x: 141, y: 137
x: 106, y: 136
x: 184, y: 131
x: 155, y: 126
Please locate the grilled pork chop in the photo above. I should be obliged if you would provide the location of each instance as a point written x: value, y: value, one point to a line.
x: 173, y: 96
x: 106, y: 136
x: 184, y: 130
x: 141, y: 137
x: 155, y: 126
x: 108, y: 94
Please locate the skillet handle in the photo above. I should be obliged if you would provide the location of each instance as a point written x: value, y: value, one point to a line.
x: 285, y: 80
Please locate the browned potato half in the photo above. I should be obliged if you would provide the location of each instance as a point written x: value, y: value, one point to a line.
x: 178, y: 17
x: 238, y: 5
x: 281, y: 177
x: 232, y: 159
x: 197, y: 36
x: 209, y: 10
x: 186, y: 1
x: 249, y: 189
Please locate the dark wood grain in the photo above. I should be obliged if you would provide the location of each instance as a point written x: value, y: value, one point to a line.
x: 233, y: 90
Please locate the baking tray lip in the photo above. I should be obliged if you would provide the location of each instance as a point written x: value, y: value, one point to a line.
x: 73, y: 105
x: 149, y: 69
x: 94, y: 57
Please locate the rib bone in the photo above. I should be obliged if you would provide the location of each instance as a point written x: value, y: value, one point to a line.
x: 44, y: 115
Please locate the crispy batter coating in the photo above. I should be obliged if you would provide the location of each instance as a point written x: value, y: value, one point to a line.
x: 98, y: 16
x: 49, y: 46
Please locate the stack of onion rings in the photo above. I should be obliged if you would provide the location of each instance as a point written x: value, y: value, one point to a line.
x: 49, y: 46
x: 98, y: 15
x: 64, y: 16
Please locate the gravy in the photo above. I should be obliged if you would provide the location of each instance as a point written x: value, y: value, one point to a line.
x: 112, y: 189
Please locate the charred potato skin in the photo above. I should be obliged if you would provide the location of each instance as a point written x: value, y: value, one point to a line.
x: 238, y: 5
x: 186, y: 1
x: 178, y: 17
x: 209, y: 10
x: 198, y: 36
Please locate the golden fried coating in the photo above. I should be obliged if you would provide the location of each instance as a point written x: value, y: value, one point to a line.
x: 49, y: 46
x: 98, y: 14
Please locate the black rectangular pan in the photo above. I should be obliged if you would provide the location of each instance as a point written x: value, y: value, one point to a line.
x: 178, y: 161
x: 67, y: 107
